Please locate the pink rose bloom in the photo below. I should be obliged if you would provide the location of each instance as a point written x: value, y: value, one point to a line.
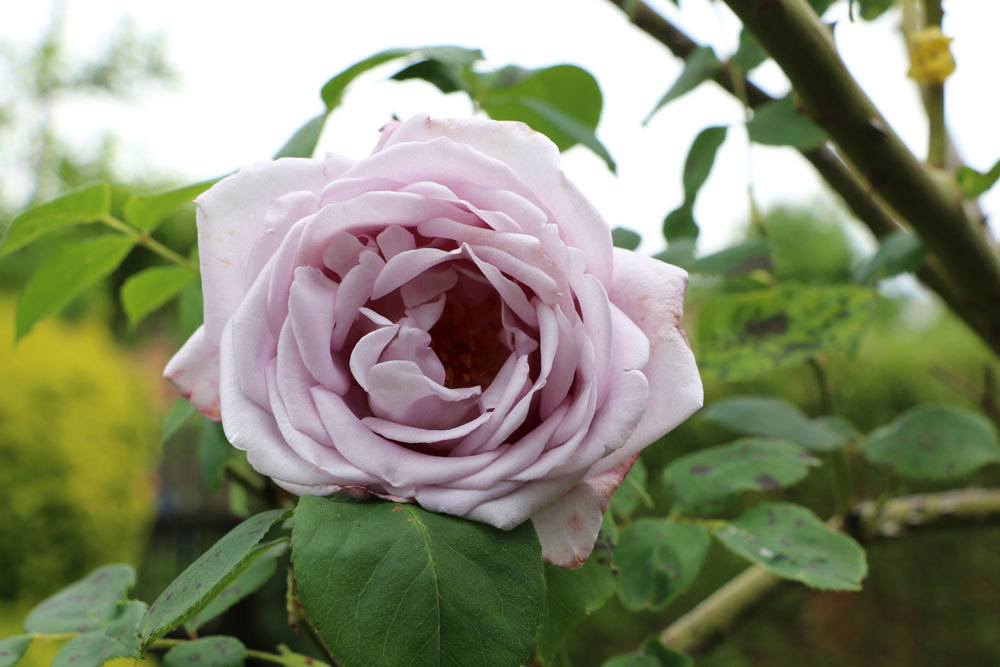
x: 445, y: 322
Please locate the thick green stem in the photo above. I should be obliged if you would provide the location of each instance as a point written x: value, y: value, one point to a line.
x: 148, y: 242
x: 802, y: 45
x: 702, y: 626
x: 859, y: 196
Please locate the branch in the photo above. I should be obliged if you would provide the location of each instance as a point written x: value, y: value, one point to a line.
x: 803, y: 46
x: 701, y: 627
x: 858, y: 195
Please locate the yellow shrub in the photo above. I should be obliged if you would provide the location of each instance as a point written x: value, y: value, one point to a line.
x: 77, y: 440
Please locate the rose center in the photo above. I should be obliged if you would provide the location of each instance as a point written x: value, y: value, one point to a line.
x: 467, y: 341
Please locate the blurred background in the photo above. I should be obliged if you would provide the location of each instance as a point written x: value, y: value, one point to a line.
x: 156, y: 95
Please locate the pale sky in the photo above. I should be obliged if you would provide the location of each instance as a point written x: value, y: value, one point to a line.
x: 250, y: 74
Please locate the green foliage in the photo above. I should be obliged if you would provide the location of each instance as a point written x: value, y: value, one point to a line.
x: 654, y: 654
x: 208, y: 576
x: 73, y: 208
x: 303, y: 143
x: 793, y: 543
x: 176, y: 417
x: 12, y: 649
x: 245, y: 584
x: 150, y: 289
x: 625, y: 238
x: 562, y: 102
x: 680, y: 222
x: 974, y: 183
x: 699, y: 67
x: 701, y: 482
x: 740, y: 258
x: 148, y: 211
x: 775, y: 418
x: 86, y: 605
x: 779, y: 123
x: 69, y: 272
x: 657, y: 560
x: 207, y: 652
x: 806, y: 247
x: 900, y: 252
x: 77, y: 435
x: 214, y: 451
x: 749, y: 54
x: 872, y: 9
x: 571, y: 596
x: 631, y: 493
x: 746, y: 334
x: 421, y: 588
x: 934, y: 442
x: 117, y: 639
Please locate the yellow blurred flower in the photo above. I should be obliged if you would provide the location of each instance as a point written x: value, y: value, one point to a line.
x: 931, y: 61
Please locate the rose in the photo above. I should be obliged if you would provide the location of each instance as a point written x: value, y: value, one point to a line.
x: 445, y: 322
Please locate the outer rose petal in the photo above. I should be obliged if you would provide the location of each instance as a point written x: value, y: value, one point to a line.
x: 651, y: 294
x: 535, y: 160
x: 194, y: 370
x: 231, y: 223
x: 231, y: 226
x: 568, y: 527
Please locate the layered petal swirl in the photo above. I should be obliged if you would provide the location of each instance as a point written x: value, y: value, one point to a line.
x: 445, y: 322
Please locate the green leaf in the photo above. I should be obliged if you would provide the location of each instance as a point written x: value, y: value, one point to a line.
x: 118, y: 640
x: 680, y: 251
x: 737, y: 259
x: 654, y: 654
x: 701, y: 482
x: 12, y: 649
x: 774, y: 418
x: 303, y: 142
x: 247, y: 583
x: 444, y: 77
x: 872, y: 9
x: 207, y: 652
x: 87, y: 204
x: 70, y: 271
x: 667, y: 656
x: 571, y: 596
x: 333, y: 90
x: 148, y: 290
x: 85, y: 605
x: 190, y: 307
x: 631, y: 493
x: 625, y: 238
x: 934, y: 442
x: 213, y: 453
x: 793, y: 543
x: 147, y: 211
x: 749, y: 54
x: 680, y: 222
x: 208, y: 576
x: 974, y: 183
x: 779, y: 123
x: 699, y: 67
x: 742, y: 335
x: 657, y: 560
x: 178, y: 415
x: 679, y: 225
x: 391, y: 584
x: 900, y: 252
x: 700, y: 158
x: 562, y: 102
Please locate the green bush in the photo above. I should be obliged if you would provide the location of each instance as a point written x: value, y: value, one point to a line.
x: 76, y: 438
